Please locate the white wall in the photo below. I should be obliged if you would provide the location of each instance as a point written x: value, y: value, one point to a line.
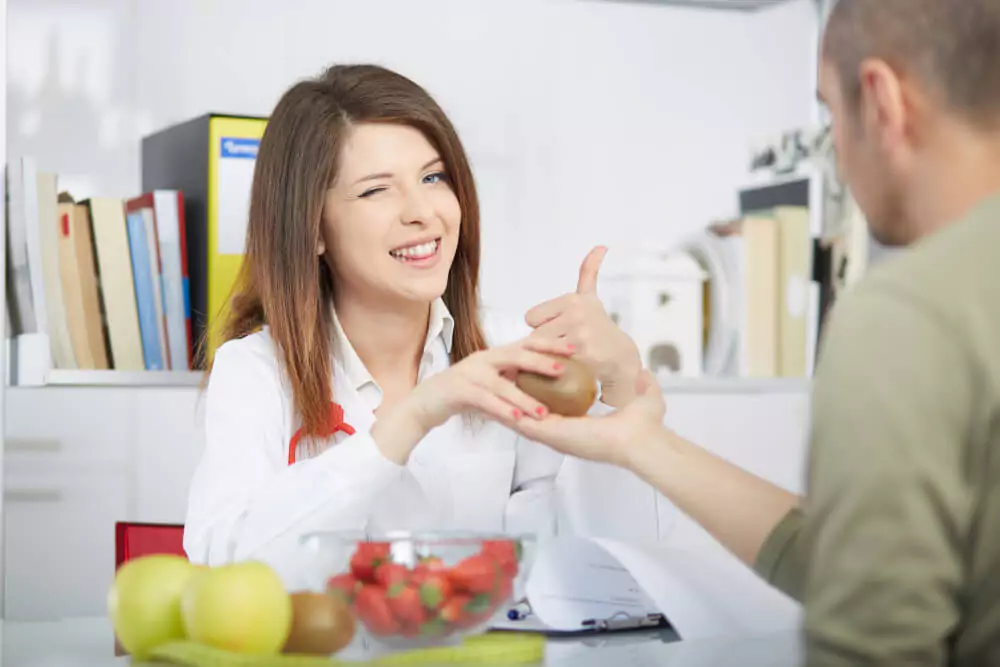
x: 587, y: 121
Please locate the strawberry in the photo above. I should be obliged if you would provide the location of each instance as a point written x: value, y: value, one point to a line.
x: 343, y: 585
x: 367, y: 557
x: 432, y: 564
x: 459, y: 612
x: 476, y: 574
x: 406, y: 605
x: 435, y: 589
x: 426, y: 566
x: 373, y: 610
x: 388, y: 575
x: 507, y: 554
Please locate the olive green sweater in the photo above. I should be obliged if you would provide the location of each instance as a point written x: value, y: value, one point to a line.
x: 895, y: 553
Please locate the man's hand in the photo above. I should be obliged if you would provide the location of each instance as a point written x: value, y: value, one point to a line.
x: 613, y: 438
x: 581, y: 320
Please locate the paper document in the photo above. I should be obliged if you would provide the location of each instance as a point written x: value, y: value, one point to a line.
x: 576, y: 580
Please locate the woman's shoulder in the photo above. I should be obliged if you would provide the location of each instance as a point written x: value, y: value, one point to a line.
x: 502, y: 327
x: 253, y: 357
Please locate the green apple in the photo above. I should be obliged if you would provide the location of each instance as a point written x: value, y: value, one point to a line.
x: 144, y: 602
x: 242, y: 607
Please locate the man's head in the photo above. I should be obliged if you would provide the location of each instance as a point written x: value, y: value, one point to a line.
x: 900, y: 77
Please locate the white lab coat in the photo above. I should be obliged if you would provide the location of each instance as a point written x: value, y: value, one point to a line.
x: 246, y: 502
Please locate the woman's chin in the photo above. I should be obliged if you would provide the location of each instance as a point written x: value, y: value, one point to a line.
x: 417, y: 293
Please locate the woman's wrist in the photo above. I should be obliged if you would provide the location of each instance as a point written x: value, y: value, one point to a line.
x: 398, y: 432
x: 620, y: 390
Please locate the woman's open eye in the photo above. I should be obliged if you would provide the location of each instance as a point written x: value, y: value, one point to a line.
x: 436, y: 177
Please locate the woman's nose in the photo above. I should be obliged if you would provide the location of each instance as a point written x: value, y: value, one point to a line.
x: 417, y: 208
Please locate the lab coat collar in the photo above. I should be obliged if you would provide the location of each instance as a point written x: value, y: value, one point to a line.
x: 440, y: 325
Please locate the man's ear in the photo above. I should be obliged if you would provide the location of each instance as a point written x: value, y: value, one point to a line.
x: 884, y: 101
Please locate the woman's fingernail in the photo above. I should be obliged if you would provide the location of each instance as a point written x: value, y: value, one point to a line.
x: 540, y: 411
x: 517, y: 414
x: 570, y: 347
x: 557, y: 366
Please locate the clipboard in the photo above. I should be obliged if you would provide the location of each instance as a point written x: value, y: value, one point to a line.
x: 522, y: 619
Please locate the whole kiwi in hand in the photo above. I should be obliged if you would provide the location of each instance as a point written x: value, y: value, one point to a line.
x: 322, y: 624
x: 569, y: 394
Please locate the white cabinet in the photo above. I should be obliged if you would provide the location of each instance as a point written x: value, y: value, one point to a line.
x: 168, y: 441
x: 59, y: 542
x: 76, y: 460
x: 68, y: 427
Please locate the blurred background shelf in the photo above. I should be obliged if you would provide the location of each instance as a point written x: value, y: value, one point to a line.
x: 733, y: 385
x: 89, y: 378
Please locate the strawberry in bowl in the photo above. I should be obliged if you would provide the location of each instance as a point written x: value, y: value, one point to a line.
x: 412, y: 590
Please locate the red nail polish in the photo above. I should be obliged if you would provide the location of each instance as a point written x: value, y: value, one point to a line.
x: 517, y: 414
x: 557, y: 366
x: 570, y: 347
x: 540, y: 411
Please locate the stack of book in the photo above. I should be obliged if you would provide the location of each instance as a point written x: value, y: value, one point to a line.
x: 103, y: 282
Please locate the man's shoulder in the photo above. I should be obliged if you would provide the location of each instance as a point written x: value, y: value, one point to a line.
x: 954, y: 266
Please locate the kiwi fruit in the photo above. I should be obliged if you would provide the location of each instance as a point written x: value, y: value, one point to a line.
x: 569, y: 394
x: 322, y: 624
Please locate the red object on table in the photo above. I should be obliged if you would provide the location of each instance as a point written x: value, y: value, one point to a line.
x: 133, y: 540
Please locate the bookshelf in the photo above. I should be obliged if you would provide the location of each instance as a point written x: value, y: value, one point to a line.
x: 112, y: 378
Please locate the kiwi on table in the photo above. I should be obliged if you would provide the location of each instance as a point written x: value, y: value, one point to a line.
x: 322, y: 624
x: 570, y: 394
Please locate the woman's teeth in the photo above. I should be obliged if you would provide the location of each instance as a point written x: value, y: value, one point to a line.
x: 415, y: 251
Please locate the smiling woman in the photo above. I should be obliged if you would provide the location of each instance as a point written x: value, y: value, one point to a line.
x: 354, y: 349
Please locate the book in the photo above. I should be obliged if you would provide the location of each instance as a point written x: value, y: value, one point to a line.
x: 146, y: 284
x: 79, y: 287
x: 169, y: 211
x: 117, y: 286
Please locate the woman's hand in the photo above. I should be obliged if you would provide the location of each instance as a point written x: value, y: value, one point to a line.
x: 579, y: 318
x: 483, y: 383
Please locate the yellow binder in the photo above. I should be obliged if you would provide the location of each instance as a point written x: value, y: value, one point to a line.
x: 210, y: 160
x: 233, y: 150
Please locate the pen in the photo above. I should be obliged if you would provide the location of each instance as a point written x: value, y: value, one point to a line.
x: 520, y: 611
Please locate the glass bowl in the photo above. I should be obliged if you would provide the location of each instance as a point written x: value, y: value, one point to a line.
x: 411, y: 590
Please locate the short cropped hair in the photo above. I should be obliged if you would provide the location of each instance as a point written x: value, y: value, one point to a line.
x: 951, y: 47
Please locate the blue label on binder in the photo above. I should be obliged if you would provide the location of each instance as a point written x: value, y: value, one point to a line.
x: 239, y: 147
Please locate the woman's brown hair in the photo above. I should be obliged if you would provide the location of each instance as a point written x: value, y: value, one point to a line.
x: 283, y: 283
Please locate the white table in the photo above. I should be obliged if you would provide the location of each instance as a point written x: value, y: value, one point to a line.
x: 89, y: 642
